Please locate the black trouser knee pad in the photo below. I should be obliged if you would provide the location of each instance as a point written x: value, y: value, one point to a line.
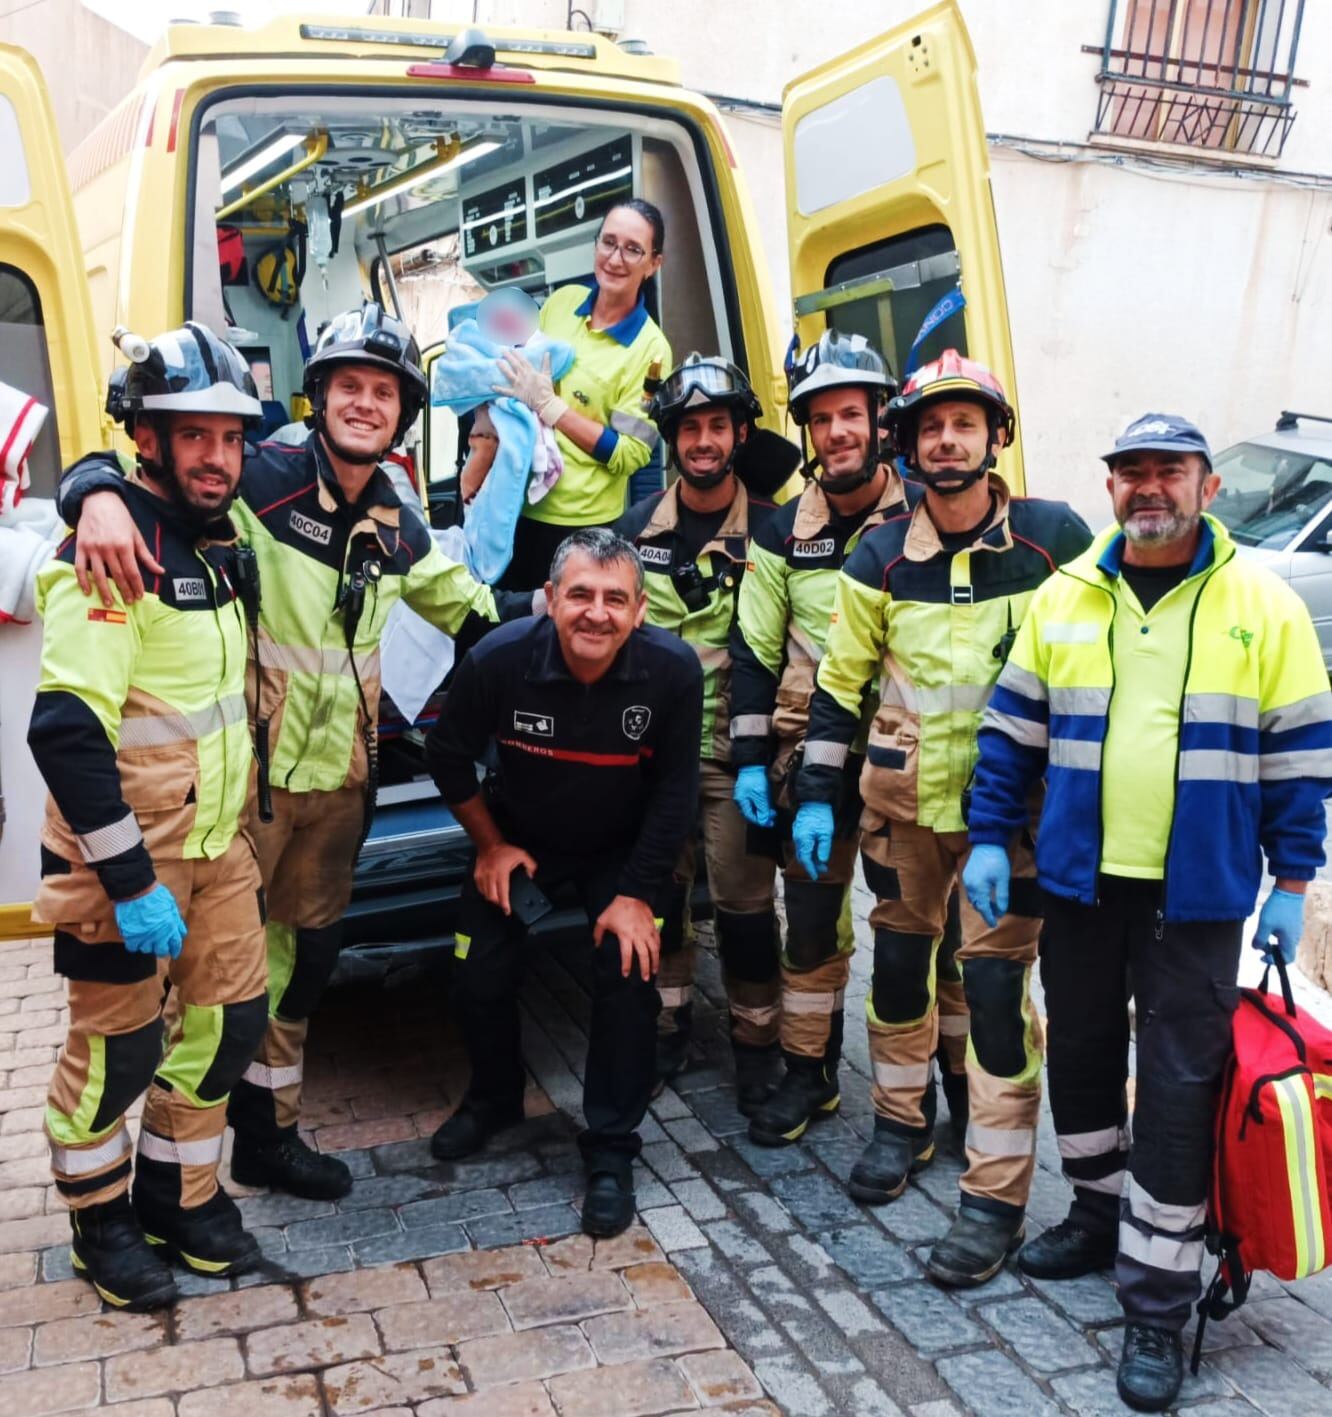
x: 748, y: 945
x: 131, y: 1059
x: 813, y: 909
x: 316, y: 957
x: 901, y: 981
x: 243, y: 1028
x: 995, y: 989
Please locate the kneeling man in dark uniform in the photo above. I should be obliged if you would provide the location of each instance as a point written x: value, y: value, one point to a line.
x: 594, y: 717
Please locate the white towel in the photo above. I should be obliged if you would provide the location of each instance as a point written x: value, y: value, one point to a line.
x: 21, y: 419
x: 23, y: 552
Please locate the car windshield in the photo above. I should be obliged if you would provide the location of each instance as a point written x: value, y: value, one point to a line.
x: 1269, y: 495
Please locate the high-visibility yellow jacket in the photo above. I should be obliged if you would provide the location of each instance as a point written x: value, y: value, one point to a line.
x: 308, y: 542
x: 718, y: 569
x: 1254, y: 757
x: 933, y: 627
x: 605, y: 382
x: 139, y: 726
x: 782, y: 617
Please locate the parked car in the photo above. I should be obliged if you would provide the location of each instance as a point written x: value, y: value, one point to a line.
x: 1276, y: 501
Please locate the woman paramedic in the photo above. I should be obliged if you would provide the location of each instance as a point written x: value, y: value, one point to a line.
x: 597, y: 410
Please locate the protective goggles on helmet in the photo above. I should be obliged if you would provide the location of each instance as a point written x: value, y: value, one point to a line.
x: 366, y: 330
x: 699, y: 383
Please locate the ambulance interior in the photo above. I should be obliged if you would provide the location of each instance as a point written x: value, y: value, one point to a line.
x: 299, y: 202
x: 302, y: 206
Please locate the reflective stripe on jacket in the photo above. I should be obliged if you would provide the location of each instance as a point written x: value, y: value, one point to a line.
x: 933, y: 627
x: 1254, y: 761
x: 783, y: 615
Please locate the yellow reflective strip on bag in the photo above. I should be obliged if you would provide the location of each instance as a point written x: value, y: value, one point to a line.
x: 1323, y: 1086
x: 1297, y: 1125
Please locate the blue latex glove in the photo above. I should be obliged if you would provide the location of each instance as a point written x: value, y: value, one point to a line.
x: 751, y: 796
x: 812, y: 835
x: 151, y: 924
x: 1282, y: 916
x: 985, y: 880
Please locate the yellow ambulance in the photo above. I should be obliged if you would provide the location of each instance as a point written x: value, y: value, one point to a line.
x: 262, y: 180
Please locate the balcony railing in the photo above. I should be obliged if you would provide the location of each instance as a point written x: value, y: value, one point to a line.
x: 1210, y: 74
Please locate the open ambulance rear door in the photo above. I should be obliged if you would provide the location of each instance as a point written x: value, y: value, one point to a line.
x: 46, y: 351
x: 889, y: 212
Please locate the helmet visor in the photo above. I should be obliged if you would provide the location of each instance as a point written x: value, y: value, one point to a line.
x: 849, y: 352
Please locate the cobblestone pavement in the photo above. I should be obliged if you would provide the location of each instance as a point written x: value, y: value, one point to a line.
x: 753, y: 1284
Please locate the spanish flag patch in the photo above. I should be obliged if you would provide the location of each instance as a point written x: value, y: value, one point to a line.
x: 111, y: 617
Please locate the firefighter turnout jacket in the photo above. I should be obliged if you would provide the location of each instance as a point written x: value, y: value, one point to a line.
x: 139, y: 726
x: 934, y: 628
x: 783, y: 617
x: 693, y: 594
x: 313, y: 552
x: 1251, y: 757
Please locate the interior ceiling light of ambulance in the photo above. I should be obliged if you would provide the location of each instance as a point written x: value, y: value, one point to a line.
x: 448, y: 158
x: 359, y: 157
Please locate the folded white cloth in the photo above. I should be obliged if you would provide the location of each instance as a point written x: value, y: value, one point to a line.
x: 21, y: 419
x: 23, y: 552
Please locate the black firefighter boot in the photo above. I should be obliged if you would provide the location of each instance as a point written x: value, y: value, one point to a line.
x: 977, y: 1244
x: 108, y: 1249
x: 210, y: 1238
x: 808, y: 1092
x: 893, y: 1154
x: 755, y: 1075
x: 286, y: 1163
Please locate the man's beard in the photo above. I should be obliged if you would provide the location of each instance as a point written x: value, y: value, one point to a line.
x: 1170, y: 525
x: 838, y: 482
x: 198, y: 515
x: 706, y: 481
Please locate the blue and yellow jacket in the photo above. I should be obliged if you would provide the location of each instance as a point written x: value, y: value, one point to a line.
x: 1254, y: 757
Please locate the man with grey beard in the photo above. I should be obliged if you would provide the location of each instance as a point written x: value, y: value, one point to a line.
x: 1172, y: 693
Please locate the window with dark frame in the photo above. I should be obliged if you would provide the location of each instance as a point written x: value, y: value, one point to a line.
x: 1205, y: 74
x: 24, y: 365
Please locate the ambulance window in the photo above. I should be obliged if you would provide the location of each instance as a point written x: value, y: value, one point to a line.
x: 15, y: 185
x: 923, y: 268
x: 24, y: 365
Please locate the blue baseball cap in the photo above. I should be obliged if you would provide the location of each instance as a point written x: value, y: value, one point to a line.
x: 1161, y: 433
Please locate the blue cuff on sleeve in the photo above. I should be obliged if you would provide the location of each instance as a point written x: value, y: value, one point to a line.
x: 605, y: 445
